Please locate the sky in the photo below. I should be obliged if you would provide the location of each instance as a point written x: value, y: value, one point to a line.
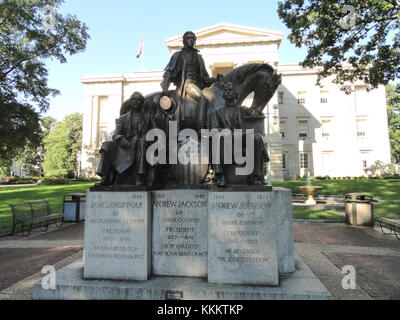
x: 115, y: 28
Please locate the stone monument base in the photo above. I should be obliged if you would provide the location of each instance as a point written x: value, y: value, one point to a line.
x: 70, y: 285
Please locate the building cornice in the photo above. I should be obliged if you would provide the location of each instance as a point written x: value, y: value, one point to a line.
x: 139, y: 76
x: 295, y: 68
x: 245, y: 34
x: 155, y: 75
x: 95, y: 78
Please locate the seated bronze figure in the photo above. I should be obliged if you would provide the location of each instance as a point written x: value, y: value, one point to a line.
x: 198, y: 102
x: 123, y: 160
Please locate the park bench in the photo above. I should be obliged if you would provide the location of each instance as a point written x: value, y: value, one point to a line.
x: 392, y: 224
x: 34, y: 212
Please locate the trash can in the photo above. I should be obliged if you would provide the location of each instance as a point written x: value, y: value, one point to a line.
x: 359, y: 209
x: 74, y: 207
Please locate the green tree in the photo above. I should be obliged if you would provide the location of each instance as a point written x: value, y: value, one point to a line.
x: 30, y: 158
x: 393, y: 109
x: 31, y: 31
x: 5, y: 168
x: 62, y: 145
x: 19, y: 129
x: 365, y: 35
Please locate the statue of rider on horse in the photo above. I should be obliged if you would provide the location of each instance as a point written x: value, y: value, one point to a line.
x: 196, y: 102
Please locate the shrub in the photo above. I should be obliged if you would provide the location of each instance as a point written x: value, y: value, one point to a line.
x: 17, y: 180
x: 55, y: 180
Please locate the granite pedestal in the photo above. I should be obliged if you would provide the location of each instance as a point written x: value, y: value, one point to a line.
x: 189, y: 244
x: 70, y: 285
x: 117, y: 235
x: 242, y: 242
x: 180, y: 228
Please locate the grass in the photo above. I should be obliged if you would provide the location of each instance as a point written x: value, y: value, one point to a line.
x: 382, y: 189
x: 316, y: 214
x: 54, y: 194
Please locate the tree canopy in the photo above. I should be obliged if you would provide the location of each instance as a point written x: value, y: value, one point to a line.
x: 19, y: 128
x: 393, y: 109
x: 31, y: 31
x: 30, y: 157
x: 362, y: 33
x: 62, y: 146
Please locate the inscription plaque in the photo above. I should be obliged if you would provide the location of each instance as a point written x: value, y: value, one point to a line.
x: 117, y: 235
x: 242, y: 246
x: 180, y: 231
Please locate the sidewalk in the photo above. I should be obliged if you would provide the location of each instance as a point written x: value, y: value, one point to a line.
x: 324, y: 247
x: 17, y: 185
x: 22, y: 258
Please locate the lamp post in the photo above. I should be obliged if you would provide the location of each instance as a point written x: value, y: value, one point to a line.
x: 275, y: 107
x: 78, y: 158
x: 40, y: 165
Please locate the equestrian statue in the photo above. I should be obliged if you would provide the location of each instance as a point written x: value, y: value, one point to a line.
x: 198, y: 102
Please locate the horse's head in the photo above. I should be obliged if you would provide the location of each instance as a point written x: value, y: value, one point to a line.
x: 259, y: 78
x: 265, y: 89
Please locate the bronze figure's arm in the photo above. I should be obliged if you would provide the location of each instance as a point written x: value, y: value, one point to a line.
x: 166, y: 81
x: 119, y: 135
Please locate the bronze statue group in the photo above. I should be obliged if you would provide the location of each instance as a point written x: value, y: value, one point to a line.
x: 199, y: 102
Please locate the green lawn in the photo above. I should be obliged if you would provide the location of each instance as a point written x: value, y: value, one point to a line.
x: 382, y: 189
x: 54, y: 194
x: 316, y: 214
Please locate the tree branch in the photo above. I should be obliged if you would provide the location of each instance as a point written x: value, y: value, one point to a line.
x: 27, y: 59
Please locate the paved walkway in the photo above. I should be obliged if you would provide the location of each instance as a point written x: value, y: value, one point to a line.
x: 327, y: 248
x: 324, y: 247
x: 17, y: 185
x: 22, y: 258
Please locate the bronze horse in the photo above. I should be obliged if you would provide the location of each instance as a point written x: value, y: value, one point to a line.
x: 260, y: 78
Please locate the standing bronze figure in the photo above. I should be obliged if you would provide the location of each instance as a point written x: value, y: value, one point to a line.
x: 187, y: 71
x: 198, y: 102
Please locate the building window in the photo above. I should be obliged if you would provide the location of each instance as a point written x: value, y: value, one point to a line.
x: 103, y: 103
x: 282, y: 128
x: 326, y: 128
x: 102, y: 119
x: 361, y: 128
x: 301, y: 97
x: 280, y: 97
x: 365, y: 156
x: 303, y: 160
x: 221, y: 68
x: 303, y: 128
x: 364, y: 164
x: 324, y: 96
x: 283, y: 161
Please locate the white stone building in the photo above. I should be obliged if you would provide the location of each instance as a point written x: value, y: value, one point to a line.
x: 312, y: 128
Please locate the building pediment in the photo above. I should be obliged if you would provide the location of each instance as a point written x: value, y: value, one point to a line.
x: 224, y: 33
